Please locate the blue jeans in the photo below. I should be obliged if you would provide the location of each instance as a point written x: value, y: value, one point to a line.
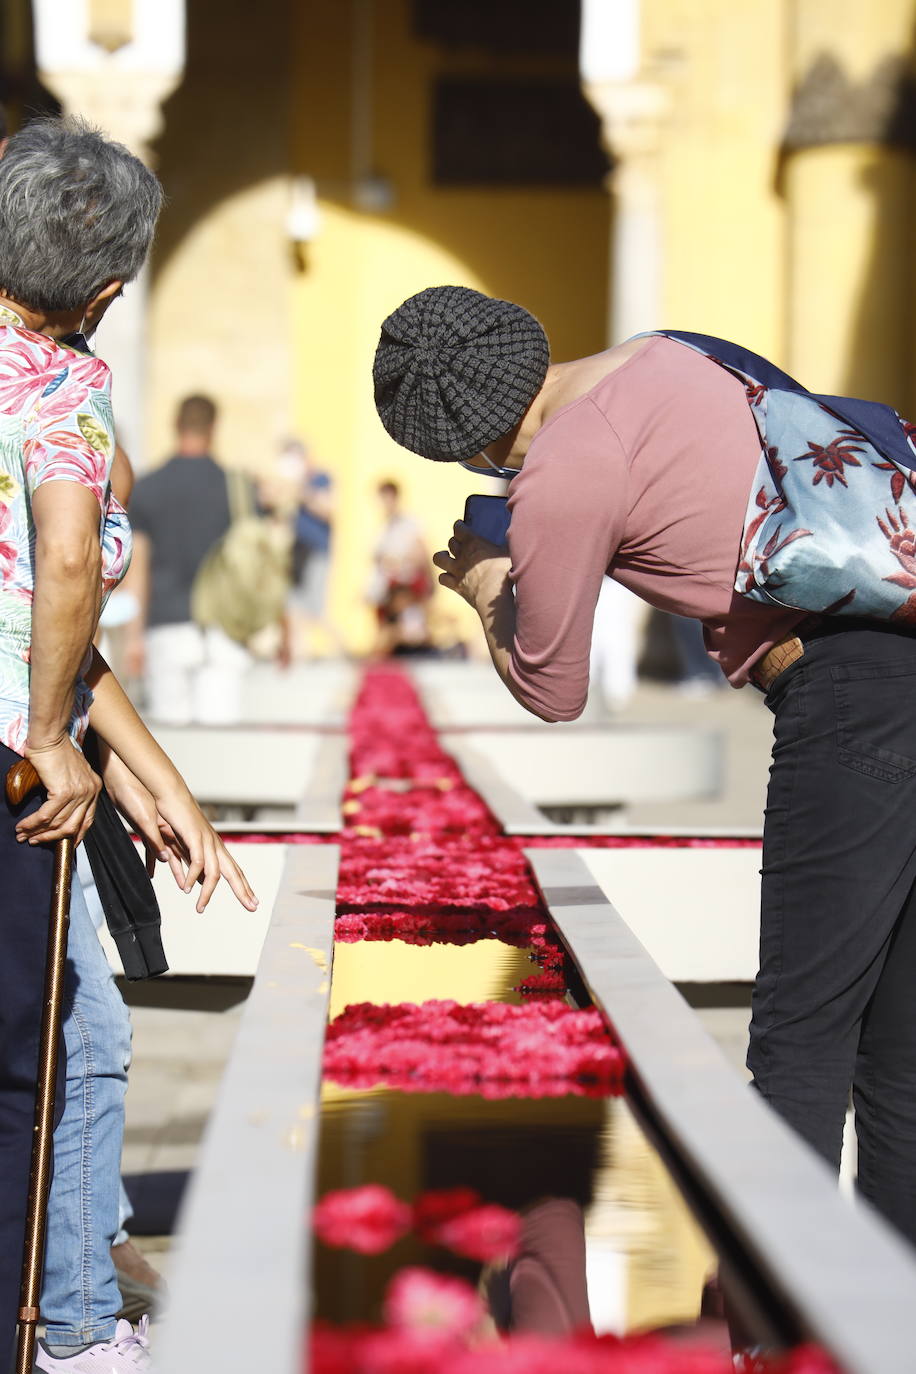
x: 80, y: 1297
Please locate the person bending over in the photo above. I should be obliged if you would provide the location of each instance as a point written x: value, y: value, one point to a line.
x: 639, y: 462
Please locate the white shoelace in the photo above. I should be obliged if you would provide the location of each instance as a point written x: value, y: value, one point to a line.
x: 135, y: 1346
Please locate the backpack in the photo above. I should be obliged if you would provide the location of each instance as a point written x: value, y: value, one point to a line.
x: 830, y: 525
x: 242, y: 584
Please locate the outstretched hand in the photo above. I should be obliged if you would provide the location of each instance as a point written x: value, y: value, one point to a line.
x: 471, y: 565
x: 175, y: 831
x: 198, y: 853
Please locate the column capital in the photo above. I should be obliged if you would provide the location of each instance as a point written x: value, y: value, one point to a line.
x: 632, y: 113
x: 126, y: 106
x: 831, y: 106
x: 113, y: 61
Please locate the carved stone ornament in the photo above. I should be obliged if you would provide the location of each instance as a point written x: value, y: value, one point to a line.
x: 111, y: 23
x: 829, y: 107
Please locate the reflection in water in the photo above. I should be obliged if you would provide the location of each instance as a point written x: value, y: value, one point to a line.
x: 391, y: 971
x: 639, y: 1229
x: 646, y: 1260
x: 513, y: 1152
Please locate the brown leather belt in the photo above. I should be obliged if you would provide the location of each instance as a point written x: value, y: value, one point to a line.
x: 775, y: 661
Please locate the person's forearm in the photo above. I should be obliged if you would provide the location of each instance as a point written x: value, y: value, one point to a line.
x: 115, y: 721
x: 65, y: 609
x: 496, y: 608
x: 495, y: 604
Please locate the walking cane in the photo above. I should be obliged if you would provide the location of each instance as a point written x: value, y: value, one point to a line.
x: 20, y: 781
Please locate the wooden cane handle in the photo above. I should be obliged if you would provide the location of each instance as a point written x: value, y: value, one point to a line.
x: 20, y: 781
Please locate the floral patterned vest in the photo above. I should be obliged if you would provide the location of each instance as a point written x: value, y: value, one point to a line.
x: 830, y: 525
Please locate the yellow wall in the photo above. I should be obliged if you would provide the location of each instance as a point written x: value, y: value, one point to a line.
x: 545, y: 248
x: 850, y: 206
x: 850, y: 246
x: 723, y: 220
x: 803, y: 255
x: 219, y: 318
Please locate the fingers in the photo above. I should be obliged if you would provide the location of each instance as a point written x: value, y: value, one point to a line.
x: 48, y: 815
x: 447, y: 580
x: 195, y: 867
x: 86, y: 824
x: 53, y: 821
x: 220, y: 864
x: 177, y: 868
x: 211, y: 874
x: 151, y: 836
x: 443, y: 560
x: 189, y: 837
x: 236, y: 879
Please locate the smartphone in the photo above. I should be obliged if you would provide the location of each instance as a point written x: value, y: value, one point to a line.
x: 488, y: 516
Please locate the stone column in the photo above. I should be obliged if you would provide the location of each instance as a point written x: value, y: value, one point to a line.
x: 115, y: 62
x: 632, y: 112
x: 847, y: 174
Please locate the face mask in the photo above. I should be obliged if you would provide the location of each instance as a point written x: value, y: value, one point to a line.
x: 77, y: 341
x: 505, y: 473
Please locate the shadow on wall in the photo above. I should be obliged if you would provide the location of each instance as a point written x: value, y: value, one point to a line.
x: 882, y: 362
x: 227, y: 126
x: 466, y: 126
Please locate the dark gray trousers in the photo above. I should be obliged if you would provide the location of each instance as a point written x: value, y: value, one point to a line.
x: 834, y: 1004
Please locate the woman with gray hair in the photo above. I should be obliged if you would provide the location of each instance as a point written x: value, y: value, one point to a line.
x: 77, y: 217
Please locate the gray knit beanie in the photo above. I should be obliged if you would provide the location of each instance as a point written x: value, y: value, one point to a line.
x: 455, y: 369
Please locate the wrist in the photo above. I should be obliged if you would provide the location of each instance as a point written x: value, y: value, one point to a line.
x: 492, y: 578
x: 44, y: 744
x: 171, y: 790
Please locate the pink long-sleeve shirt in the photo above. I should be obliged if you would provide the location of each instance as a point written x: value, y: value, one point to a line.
x: 646, y: 477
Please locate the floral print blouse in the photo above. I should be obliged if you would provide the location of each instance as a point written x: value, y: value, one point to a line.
x: 55, y: 425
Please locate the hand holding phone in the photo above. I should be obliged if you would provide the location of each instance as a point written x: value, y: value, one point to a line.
x: 488, y: 516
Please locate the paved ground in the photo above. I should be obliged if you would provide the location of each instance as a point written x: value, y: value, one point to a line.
x: 183, y: 1031
x: 746, y: 725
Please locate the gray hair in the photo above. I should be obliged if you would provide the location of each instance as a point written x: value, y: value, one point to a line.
x: 77, y: 212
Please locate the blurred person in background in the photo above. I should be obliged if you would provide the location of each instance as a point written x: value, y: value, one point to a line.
x: 77, y: 215
x: 313, y: 523
x: 642, y: 462
x: 400, y: 587
x: 179, y: 512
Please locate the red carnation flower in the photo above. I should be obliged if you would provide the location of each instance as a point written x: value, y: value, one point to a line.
x: 368, y: 1219
x: 437, y: 1206
x: 422, y: 1301
x: 485, y: 1233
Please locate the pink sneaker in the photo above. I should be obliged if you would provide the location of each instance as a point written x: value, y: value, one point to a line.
x: 125, y: 1353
